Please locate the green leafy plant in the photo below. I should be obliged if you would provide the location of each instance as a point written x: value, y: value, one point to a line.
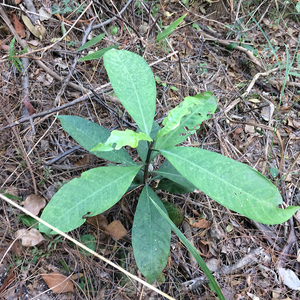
x: 233, y: 184
x: 12, y: 55
x: 165, y: 33
x: 67, y: 6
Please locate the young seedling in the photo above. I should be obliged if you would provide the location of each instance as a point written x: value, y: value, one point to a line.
x: 233, y: 184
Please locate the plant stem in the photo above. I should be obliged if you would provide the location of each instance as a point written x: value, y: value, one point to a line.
x: 147, y: 162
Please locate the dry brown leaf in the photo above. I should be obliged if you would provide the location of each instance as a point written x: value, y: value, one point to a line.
x: 8, y: 279
x: 17, y: 248
x: 116, y: 230
x: 18, y: 26
x: 58, y: 283
x: 34, y: 203
x: 85, y: 160
x: 98, y: 221
x: 202, y: 223
x: 29, y: 107
x: 30, y: 237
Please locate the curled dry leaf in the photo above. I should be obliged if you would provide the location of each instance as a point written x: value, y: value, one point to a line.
x: 202, y: 223
x: 116, y: 230
x: 29, y: 107
x: 30, y: 237
x: 34, y: 203
x: 98, y: 221
x: 58, y: 283
x: 18, y: 26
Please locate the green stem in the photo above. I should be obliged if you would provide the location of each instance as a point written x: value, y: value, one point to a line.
x: 147, y: 162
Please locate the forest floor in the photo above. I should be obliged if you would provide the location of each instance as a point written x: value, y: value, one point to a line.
x: 247, y: 55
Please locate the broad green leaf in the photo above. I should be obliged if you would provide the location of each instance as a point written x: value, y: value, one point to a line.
x: 89, y: 241
x: 174, y: 212
x: 118, y: 139
x: 97, y: 54
x: 93, y: 193
x: 232, y: 46
x: 89, y: 134
x: 231, y: 183
x: 168, y: 171
x: 213, y: 284
x: 165, y: 33
x: 151, y: 236
x: 172, y: 187
x: 185, y: 119
x: 92, y: 42
x: 143, y: 146
x: 134, y: 85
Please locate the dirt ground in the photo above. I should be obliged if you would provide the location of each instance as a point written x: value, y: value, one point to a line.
x: 245, y: 52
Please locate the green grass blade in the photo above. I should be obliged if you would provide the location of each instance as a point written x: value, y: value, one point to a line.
x: 92, y: 42
x: 193, y: 250
x: 97, y: 54
x: 165, y: 33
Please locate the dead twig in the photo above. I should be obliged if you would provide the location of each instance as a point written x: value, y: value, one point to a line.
x: 56, y: 109
x: 71, y: 71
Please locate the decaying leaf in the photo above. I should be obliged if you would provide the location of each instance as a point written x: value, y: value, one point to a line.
x: 202, y: 223
x: 34, y: 203
x: 30, y: 237
x: 116, y: 230
x: 289, y: 278
x: 18, y: 26
x: 37, y: 30
x: 98, y: 221
x: 58, y: 283
x: 29, y: 107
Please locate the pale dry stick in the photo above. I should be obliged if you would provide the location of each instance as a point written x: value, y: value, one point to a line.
x: 255, y: 78
x: 71, y: 70
x: 55, y: 109
x: 249, y: 53
x: 250, y: 258
x: 293, y: 164
x: 224, y: 149
x: 85, y: 247
x: 111, y: 19
x: 250, y: 123
x: 48, y: 128
x: 258, y: 22
x: 164, y: 58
